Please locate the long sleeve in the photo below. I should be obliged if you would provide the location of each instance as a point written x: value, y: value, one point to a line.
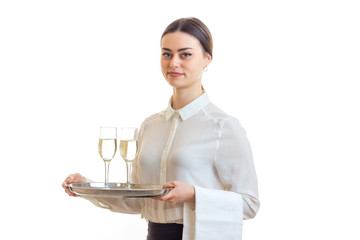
x: 121, y: 205
x: 219, y: 209
x: 235, y: 166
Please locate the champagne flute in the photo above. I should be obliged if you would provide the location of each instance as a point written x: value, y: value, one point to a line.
x: 107, y: 147
x: 128, y: 149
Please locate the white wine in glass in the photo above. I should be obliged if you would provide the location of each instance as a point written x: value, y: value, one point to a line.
x: 107, y: 147
x: 128, y: 149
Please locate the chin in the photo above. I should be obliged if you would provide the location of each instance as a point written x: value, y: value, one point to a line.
x: 176, y: 85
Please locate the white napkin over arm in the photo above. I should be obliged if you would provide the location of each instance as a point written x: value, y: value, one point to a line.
x: 217, y: 215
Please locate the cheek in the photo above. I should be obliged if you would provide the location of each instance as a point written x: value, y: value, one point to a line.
x: 164, y: 63
x: 193, y: 67
x: 193, y: 70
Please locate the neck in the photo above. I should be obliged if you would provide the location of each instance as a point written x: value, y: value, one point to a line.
x: 182, y: 97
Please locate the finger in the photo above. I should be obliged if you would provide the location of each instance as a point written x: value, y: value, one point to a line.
x: 67, y: 190
x: 171, y: 200
x: 169, y: 185
x: 73, y: 178
x: 64, y: 183
x: 70, y: 193
x: 167, y: 196
x: 161, y: 196
x: 70, y: 178
x: 67, y: 180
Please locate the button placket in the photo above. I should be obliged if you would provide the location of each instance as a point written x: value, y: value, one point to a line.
x: 165, y: 154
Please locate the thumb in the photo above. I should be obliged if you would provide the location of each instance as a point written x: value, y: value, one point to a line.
x: 166, y: 196
x: 169, y: 184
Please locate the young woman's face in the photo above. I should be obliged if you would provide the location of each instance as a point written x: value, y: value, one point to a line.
x: 183, y: 60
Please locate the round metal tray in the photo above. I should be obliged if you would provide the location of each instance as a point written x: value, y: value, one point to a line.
x: 98, y: 189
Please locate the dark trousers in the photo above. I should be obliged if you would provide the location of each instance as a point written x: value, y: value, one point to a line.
x: 164, y: 231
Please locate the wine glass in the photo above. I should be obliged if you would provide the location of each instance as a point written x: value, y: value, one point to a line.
x: 128, y: 149
x: 107, y: 147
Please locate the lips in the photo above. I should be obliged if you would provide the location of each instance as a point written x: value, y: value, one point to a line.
x: 175, y: 74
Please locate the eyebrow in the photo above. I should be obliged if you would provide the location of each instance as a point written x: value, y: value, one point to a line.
x: 179, y: 50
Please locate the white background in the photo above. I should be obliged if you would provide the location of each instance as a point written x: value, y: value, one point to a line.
x: 287, y: 69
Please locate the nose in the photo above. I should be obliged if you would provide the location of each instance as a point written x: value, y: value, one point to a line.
x: 175, y: 62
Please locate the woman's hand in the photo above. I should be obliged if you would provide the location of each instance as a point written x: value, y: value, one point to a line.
x: 181, y: 192
x: 72, y: 178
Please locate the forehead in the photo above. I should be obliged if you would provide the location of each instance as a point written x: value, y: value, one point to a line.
x: 177, y: 40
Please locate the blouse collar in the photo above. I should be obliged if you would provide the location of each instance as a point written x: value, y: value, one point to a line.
x: 190, y: 109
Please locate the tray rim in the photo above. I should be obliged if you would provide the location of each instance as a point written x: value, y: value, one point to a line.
x: 117, y: 192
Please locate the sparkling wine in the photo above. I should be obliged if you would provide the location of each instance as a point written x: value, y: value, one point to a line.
x: 128, y: 149
x: 107, y: 149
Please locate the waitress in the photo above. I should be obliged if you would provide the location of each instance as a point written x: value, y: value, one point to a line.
x: 192, y: 146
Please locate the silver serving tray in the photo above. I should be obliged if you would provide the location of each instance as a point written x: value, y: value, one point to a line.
x: 98, y: 189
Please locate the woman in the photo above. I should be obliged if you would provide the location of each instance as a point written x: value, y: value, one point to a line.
x: 192, y: 146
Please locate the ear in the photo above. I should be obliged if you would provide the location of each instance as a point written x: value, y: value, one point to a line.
x: 207, y: 60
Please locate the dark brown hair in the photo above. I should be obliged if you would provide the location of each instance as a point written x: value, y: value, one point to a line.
x: 195, y: 28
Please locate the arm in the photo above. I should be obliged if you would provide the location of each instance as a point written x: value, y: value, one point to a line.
x: 218, y: 209
x: 235, y: 166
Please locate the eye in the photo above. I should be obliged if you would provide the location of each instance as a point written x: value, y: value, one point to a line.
x: 186, y: 55
x: 166, y: 55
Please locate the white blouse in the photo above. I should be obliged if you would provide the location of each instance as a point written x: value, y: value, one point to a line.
x: 204, y: 147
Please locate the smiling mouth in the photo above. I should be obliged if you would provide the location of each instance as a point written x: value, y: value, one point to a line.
x: 175, y: 74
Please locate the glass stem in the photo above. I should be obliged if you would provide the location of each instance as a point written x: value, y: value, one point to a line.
x: 128, y: 173
x: 107, y: 163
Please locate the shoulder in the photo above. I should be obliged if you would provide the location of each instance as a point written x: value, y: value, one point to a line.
x: 223, y: 119
x: 217, y: 114
x: 154, y: 118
